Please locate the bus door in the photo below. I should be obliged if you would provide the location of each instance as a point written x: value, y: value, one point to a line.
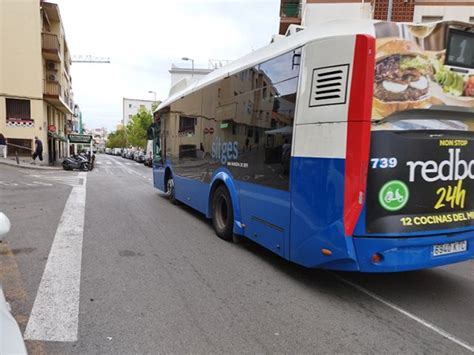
x: 158, y: 164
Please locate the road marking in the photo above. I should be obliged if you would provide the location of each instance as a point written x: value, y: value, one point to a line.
x: 42, y: 183
x: 74, y: 180
x: 109, y: 163
x: 129, y: 170
x: 55, y: 314
x: 6, y: 183
x: 417, y: 319
x: 27, y: 183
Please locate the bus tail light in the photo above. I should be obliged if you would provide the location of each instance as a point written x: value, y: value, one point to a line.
x: 376, y: 258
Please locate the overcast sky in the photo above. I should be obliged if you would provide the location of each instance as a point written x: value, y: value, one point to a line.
x: 144, y: 37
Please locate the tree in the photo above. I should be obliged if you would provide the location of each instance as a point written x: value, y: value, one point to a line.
x: 137, y: 128
x: 116, y: 139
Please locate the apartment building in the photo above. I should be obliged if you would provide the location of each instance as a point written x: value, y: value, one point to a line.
x: 131, y: 107
x: 307, y: 12
x: 179, y: 73
x: 35, y: 82
x: 99, y: 136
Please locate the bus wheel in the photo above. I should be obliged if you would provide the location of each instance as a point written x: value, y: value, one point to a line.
x: 170, y: 191
x: 222, y: 213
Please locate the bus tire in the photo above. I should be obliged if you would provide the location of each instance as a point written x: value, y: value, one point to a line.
x: 222, y: 213
x: 170, y: 190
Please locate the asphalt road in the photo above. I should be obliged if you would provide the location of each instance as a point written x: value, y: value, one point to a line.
x: 155, y: 278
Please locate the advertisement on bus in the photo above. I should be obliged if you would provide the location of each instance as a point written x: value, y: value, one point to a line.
x: 421, y: 173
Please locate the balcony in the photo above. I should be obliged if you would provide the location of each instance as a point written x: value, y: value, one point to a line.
x: 290, y: 14
x: 53, y: 94
x: 50, y: 47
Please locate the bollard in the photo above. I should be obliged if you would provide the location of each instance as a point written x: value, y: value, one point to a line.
x: 17, y: 157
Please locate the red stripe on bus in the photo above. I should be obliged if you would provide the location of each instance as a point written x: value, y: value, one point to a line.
x: 358, y: 130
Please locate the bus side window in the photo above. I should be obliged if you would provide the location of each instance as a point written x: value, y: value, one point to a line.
x: 156, y: 143
x: 157, y: 148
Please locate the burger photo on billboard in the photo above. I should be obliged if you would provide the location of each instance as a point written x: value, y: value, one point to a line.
x: 402, y: 77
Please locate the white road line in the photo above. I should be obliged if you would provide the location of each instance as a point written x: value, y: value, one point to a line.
x: 417, y: 319
x: 129, y: 170
x: 27, y: 183
x: 42, y: 183
x: 55, y: 314
x: 109, y: 163
x: 74, y: 180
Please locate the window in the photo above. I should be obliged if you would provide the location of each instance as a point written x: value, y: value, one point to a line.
x: 129, y: 105
x: 18, y: 109
x: 187, y: 151
x: 142, y: 107
x: 20, y: 146
x: 471, y: 19
x: 186, y: 124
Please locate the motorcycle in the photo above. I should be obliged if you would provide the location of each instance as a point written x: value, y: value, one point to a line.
x: 80, y: 162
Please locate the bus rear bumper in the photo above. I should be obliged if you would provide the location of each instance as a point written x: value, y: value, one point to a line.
x: 405, y: 254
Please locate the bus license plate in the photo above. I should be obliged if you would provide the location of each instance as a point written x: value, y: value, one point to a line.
x: 449, y: 248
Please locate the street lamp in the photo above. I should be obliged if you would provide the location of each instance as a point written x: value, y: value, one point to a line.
x: 192, y: 64
x: 154, y: 94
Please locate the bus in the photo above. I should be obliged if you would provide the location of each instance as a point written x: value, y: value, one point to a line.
x: 347, y: 146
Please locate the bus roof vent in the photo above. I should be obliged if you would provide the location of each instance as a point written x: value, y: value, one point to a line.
x: 329, y: 86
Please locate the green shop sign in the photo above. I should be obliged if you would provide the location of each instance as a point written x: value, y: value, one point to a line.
x: 79, y: 138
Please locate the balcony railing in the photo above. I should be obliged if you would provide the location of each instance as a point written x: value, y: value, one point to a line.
x: 52, y: 88
x: 50, y: 42
x: 54, y: 93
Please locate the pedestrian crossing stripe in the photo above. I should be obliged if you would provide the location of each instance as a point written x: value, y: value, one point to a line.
x: 69, y: 180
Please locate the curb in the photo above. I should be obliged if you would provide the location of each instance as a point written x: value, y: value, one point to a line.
x: 32, y: 167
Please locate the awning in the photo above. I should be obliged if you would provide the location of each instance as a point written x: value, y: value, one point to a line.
x: 80, y: 138
x: 287, y: 130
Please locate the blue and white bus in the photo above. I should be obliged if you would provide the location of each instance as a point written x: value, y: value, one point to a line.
x: 345, y: 146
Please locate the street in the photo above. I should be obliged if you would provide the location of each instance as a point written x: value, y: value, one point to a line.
x: 148, y: 276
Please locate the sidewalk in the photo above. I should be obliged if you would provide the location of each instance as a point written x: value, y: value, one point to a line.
x: 27, y: 164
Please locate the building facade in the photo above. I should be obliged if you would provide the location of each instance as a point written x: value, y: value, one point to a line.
x: 36, y: 96
x: 178, y: 73
x: 131, y: 107
x: 307, y: 12
x: 99, y: 136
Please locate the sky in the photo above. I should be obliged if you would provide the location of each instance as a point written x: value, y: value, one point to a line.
x: 143, y: 38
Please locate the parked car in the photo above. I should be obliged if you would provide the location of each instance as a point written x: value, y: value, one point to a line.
x: 129, y: 154
x: 139, y: 157
x: 148, y: 161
